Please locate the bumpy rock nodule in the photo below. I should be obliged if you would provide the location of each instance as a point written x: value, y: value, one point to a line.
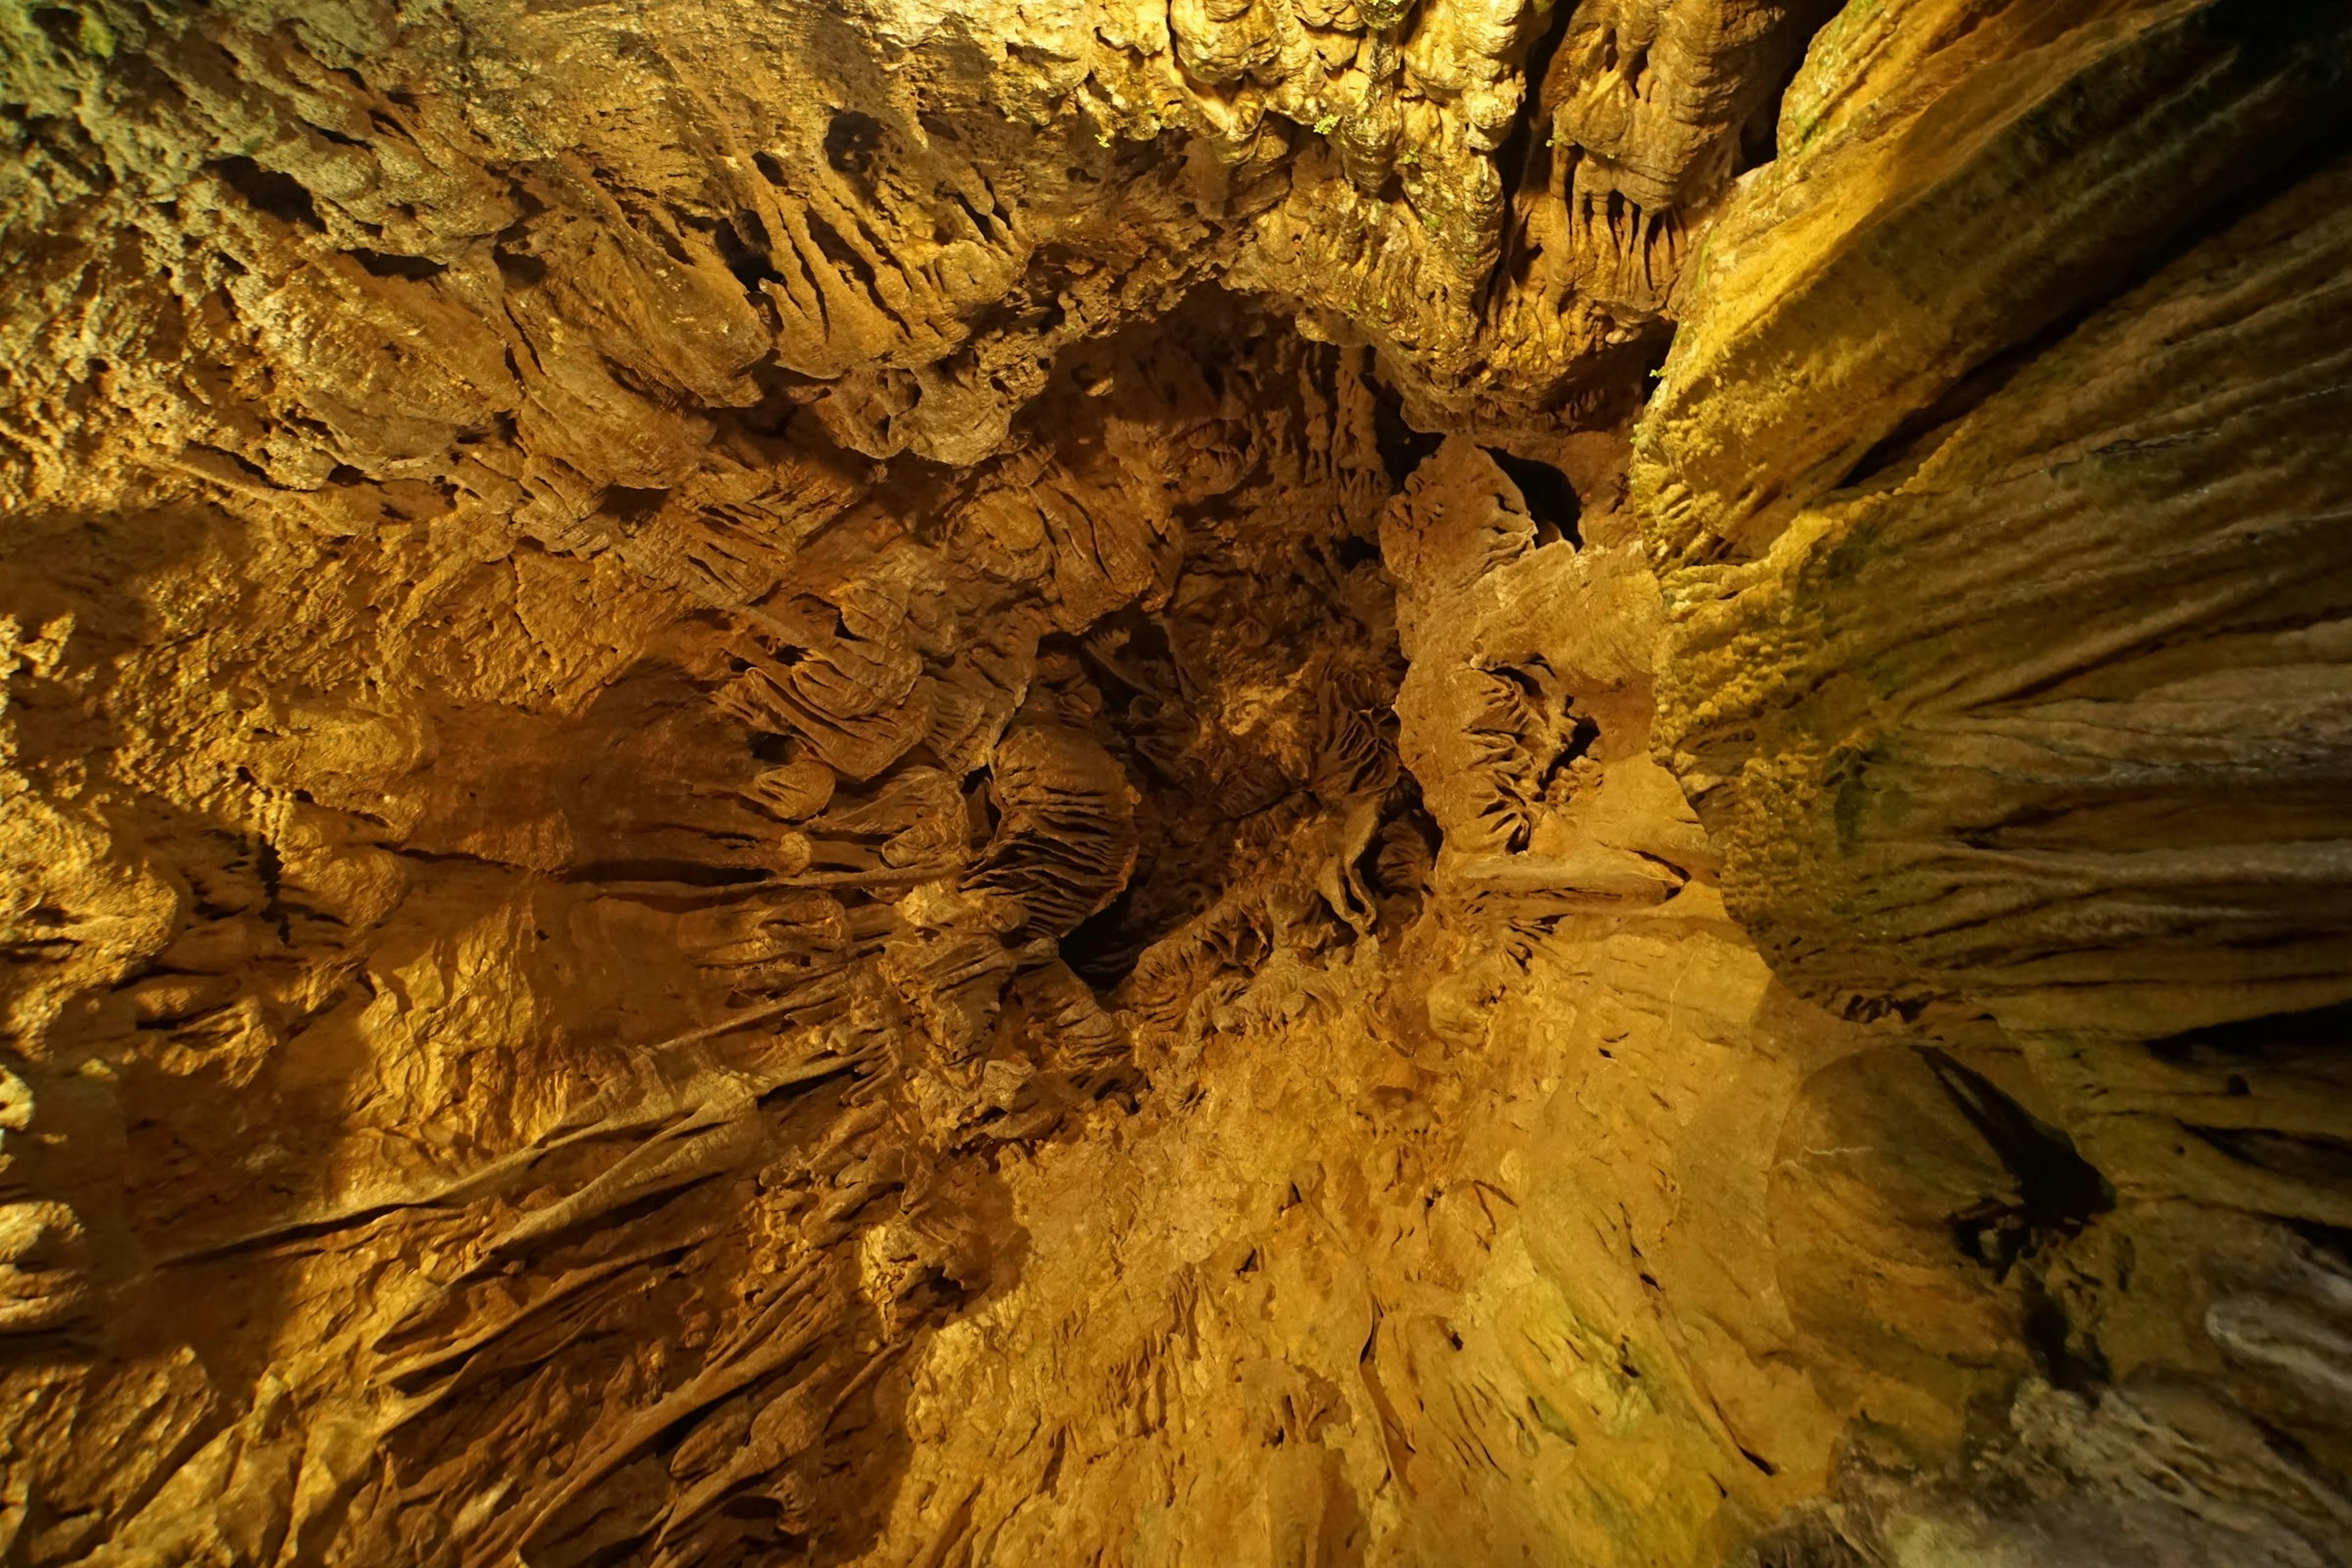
x: 957, y: 783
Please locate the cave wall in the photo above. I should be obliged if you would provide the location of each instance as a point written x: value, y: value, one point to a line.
x: 918, y: 784
x: 2003, y: 604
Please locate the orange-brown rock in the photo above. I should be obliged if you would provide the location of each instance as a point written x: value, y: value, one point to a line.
x: 951, y: 784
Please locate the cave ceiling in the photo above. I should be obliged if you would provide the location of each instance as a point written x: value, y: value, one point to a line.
x: 1227, y: 782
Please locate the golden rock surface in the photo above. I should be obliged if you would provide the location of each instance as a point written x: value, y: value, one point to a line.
x: 1254, y: 782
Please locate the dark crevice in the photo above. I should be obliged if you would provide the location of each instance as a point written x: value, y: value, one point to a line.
x: 2326, y: 1028
x: 1552, y: 499
x: 1920, y: 433
x: 63, y: 27
x: 746, y: 257
x: 2314, y: 1158
x: 980, y: 223
x: 1104, y: 949
x: 416, y: 268
x: 1524, y: 160
x: 2065, y: 1359
x: 2058, y: 1191
x: 685, y: 873
x: 1759, y: 135
x: 1402, y: 447
x: 1583, y: 732
x: 633, y: 506
x: 282, y: 196
x: 851, y: 144
x: 519, y: 267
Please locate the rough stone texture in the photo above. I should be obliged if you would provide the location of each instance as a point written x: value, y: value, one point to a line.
x: 2005, y: 603
x: 2143, y: 767
x: 934, y: 783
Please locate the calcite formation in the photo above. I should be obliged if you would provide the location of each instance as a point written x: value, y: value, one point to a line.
x: 1257, y: 781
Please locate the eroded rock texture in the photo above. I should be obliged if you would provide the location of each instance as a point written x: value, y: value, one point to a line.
x: 2003, y: 677
x: 947, y: 784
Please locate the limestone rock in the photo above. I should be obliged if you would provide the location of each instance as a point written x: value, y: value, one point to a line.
x: 926, y: 782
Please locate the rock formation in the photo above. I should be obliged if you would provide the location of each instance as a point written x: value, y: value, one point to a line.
x: 1409, y: 782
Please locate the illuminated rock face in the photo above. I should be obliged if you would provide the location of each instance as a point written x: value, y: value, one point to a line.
x: 1266, y: 783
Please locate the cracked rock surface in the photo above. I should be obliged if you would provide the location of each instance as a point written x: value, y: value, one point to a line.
x: 1415, y: 782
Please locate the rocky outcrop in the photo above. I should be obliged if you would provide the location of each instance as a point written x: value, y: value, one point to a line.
x: 940, y: 783
x: 2000, y: 674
